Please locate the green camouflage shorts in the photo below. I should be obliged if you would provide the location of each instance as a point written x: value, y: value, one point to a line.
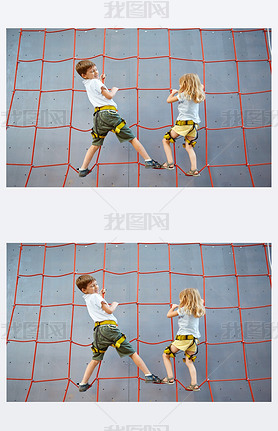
x: 106, y: 121
x: 105, y: 336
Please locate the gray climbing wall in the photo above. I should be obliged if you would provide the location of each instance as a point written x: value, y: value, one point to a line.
x: 49, y: 330
x: 49, y: 115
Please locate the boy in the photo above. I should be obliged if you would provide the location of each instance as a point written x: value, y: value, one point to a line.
x: 106, y: 117
x: 106, y: 332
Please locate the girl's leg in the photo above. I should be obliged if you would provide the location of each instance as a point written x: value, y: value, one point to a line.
x: 140, y: 363
x: 168, y: 150
x: 88, y: 157
x: 191, y: 369
x: 167, y: 147
x: 89, y: 371
x: 139, y: 148
x: 167, y: 362
x: 191, y: 154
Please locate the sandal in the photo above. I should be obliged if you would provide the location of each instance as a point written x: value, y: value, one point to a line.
x: 194, y: 388
x: 193, y: 173
x: 168, y: 380
x: 169, y: 166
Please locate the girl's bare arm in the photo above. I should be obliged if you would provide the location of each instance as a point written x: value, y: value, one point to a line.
x: 172, y: 98
x: 173, y: 312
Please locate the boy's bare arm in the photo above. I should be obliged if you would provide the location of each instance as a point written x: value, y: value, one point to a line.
x: 109, y: 308
x: 173, y: 312
x: 109, y: 94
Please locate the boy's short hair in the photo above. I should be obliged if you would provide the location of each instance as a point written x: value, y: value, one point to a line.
x: 83, y: 280
x: 83, y: 65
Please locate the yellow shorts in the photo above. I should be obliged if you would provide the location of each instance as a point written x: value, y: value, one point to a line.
x: 186, y: 345
x: 186, y: 130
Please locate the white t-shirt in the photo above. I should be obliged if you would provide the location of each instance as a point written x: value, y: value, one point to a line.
x: 93, y: 302
x: 188, y: 110
x: 93, y: 88
x: 188, y: 324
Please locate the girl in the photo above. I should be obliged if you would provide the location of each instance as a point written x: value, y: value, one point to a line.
x: 189, y: 96
x: 189, y: 310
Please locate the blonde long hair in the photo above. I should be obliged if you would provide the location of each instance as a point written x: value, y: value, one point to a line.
x: 192, y: 87
x: 191, y: 301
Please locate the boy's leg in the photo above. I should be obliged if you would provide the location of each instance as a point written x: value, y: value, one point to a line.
x: 149, y: 377
x: 89, y: 371
x: 140, y: 363
x: 88, y: 157
x: 149, y: 163
x: 191, y: 369
x: 139, y: 148
x: 167, y: 362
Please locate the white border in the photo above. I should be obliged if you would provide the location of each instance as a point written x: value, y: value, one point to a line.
x: 234, y: 215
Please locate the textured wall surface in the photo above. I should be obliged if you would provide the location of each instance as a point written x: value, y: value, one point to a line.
x: 50, y: 331
x: 50, y: 117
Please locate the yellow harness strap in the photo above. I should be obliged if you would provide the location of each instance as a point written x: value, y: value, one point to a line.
x: 96, y: 135
x: 96, y: 350
x: 192, y: 143
x: 191, y: 357
x: 169, y: 352
x: 169, y: 137
x: 184, y: 123
x: 119, y: 342
x: 105, y: 322
x: 184, y: 337
x: 105, y: 108
x: 119, y: 127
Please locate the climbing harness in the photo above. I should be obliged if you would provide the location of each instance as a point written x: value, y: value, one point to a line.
x: 117, y: 129
x: 105, y: 108
x: 118, y: 342
x: 183, y: 123
x: 169, y: 352
x: 192, y: 357
x: 188, y: 123
x: 194, y: 341
x: 105, y: 322
x: 169, y: 137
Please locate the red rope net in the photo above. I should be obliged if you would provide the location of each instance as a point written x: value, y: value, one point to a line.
x: 224, y: 271
x: 206, y: 128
